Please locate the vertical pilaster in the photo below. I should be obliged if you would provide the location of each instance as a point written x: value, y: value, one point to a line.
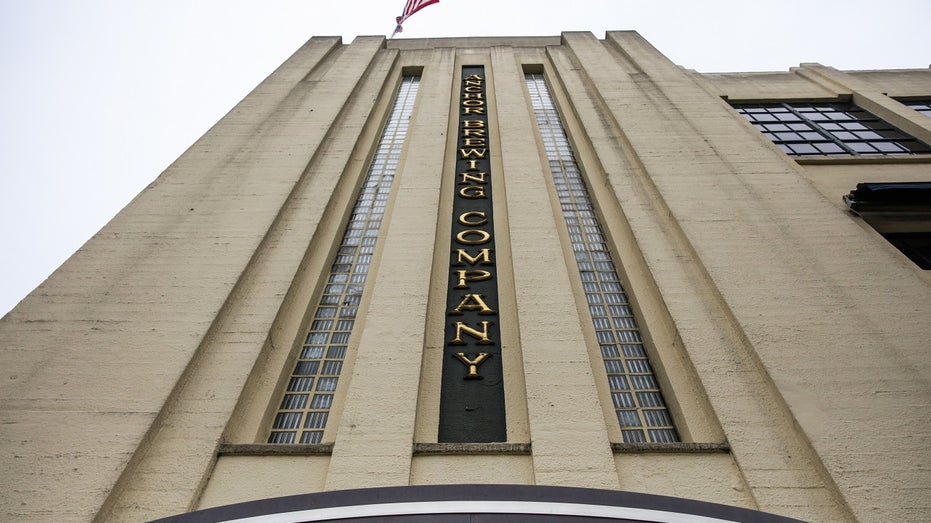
x: 570, y: 443
x: 767, y: 239
x: 182, y: 441
x: 656, y: 134
x: 376, y: 430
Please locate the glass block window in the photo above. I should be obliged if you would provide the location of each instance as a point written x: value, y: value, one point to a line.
x: 305, y: 406
x: 828, y: 129
x: 638, y: 402
x: 922, y: 106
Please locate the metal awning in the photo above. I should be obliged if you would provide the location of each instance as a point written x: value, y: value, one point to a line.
x: 890, y: 197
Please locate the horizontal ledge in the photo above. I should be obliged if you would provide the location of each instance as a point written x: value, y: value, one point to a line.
x: 669, y: 448
x: 862, y: 159
x: 463, y: 449
x: 274, y: 449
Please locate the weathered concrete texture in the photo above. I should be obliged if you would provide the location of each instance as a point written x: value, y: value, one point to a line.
x: 130, y: 308
x: 767, y: 86
x: 471, y: 43
x: 377, y: 424
x: 567, y: 427
x: 799, y: 282
x: 144, y: 292
x: 706, y: 477
x: 440, y: 470
x: 780, y: 325
x: 759, y: 431
x: 236, y: 479
x: 790, y: 85
x: 202, y: 404
x: 895, y: 83
x: 833, y: 180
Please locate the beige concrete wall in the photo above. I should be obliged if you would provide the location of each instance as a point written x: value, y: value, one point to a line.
x: 837, y: 179
x: 766, y: 86
x: 908, y: 82
x: 643, y: 141
x: 779, y: 262
x: 714, y: 478
x: 474, y: 469
x: 92, y: 356
x: 778, y: 324
x: 193, y: 421
x: 375, y: 436
x: 567, y: 429
x: 236, y: 479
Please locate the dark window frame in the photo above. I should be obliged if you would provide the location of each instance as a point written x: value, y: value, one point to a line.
x: 828, y: 129
x: 900, y: 212
x: 922, y: 105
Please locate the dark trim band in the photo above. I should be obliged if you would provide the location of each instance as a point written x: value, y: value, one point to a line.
x: 464, y: 503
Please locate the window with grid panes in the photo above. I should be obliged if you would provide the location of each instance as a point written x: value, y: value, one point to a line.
x: 922, y: 106
x: 638, y: 402
x: 305, y: 406
x: 828, y: 129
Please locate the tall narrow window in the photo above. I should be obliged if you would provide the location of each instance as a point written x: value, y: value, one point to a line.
x: 638, y: 402
x: 305, y: 407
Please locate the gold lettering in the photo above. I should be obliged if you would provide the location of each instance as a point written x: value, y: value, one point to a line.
x: 472, y: 192
x: 477, y: 96
x: 471, y: 275
x: 474, y: 132
x: 472, y: 302
x: 473, y: 89
x: 473, y: 77
x: 472, y: 142
x: 464, y: 218
x: 473, y: 110
x: 469, y: 177
x: 469, y: 152
x: 483, y: 237
x: 473, y: 103
x: 473, y: 364
x: 480, y: 335
x: 484, y: 256
x: 473, y: 124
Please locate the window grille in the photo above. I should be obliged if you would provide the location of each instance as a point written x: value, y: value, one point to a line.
x: 922, y: 106
x: 828, y: 129
x: 305, y: 406
x: 635, y: 393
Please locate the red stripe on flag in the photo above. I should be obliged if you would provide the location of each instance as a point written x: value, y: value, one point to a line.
x: 413, y: 6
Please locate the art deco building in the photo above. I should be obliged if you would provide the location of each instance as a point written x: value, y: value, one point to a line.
x: 563, y: 274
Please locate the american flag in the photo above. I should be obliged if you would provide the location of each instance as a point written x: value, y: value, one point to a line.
x: 411, y: 7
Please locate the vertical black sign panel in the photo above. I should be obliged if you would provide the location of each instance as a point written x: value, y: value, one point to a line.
x: 472, y: 393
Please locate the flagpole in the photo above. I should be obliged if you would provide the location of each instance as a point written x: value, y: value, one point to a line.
x: 411, y: 7
x: 397, y: 29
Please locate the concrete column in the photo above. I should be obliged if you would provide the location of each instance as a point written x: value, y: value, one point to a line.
x: 117, y: 324
x: 194, y: 417
x: 374, y: 444
x: 697, y: 217
x: 567, y: 427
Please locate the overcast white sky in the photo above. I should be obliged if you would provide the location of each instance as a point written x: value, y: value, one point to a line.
x: 97, y: 97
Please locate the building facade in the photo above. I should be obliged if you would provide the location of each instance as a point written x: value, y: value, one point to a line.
x: 536, y: 262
